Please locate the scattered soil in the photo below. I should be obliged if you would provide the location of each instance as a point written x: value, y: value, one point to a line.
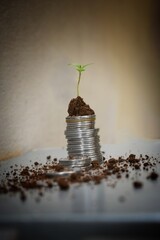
x: 77, y: 107
x: 63, y: 183
x: 137, y: 184
x: 20, y: 179
x: 95, y: 164
x: 153, y: 176
x: 59, y: 168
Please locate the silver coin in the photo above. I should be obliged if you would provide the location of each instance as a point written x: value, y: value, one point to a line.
x: 83, y: 143
x: 79, y: 125
x: 91, y: 149
x: 81, y: 133
x: 86, y: 117
x: 89, y: 130
x: 72, y: 144
x: 79, y: 129
x: 84, y: 130
x: 90, y: 155
x: 78, y: 135
x: 85, y: 146
x: 85, y: 123
x: 91, y: 137
x: 84, y: 150
x: 80, y: 140
x: 75, y: 162
x: 61, y: 174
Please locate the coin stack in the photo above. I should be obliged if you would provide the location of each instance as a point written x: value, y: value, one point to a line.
x: 82, y: 138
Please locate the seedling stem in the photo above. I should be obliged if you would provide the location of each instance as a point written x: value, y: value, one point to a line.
x: 80, y: 69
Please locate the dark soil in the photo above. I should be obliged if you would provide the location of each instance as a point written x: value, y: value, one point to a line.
x: 137, y: 184
x: 77, y: 107
x: 63, y: 183
x: 153, y: 176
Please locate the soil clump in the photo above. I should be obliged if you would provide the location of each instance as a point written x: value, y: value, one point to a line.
x: 77, y: 107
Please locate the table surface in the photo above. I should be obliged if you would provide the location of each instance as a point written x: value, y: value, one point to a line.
x: 87, y: 202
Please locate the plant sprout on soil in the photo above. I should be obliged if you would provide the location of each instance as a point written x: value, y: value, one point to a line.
x: 80, y: 69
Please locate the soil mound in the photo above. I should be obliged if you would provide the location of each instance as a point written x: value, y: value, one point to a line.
x: 77, y: 107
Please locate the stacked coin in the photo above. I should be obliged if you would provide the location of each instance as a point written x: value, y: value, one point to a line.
x: 82, y: 137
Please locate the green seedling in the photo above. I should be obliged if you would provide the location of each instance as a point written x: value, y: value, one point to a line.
x: 80, y: 69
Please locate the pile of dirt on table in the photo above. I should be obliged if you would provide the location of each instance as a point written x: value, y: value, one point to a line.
x: 77, y: 107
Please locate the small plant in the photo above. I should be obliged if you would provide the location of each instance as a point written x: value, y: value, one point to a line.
x: 80, y: 69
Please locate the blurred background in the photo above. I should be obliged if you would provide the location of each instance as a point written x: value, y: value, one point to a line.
x: 38, y: 38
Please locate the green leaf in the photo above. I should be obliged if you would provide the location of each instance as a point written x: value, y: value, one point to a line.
x: 74, y: 65
x: 80, y: 68
x: 87, y: 64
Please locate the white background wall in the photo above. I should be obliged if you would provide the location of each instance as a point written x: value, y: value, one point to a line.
x: 39, y: 38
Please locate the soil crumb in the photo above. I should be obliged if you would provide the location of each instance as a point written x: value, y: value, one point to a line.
x: 77, y: 107
x: 153, y: 176
x: 137, y: 184
x: 63, y: 183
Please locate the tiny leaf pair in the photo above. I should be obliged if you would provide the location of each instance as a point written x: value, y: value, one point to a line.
x: 80, y: 69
